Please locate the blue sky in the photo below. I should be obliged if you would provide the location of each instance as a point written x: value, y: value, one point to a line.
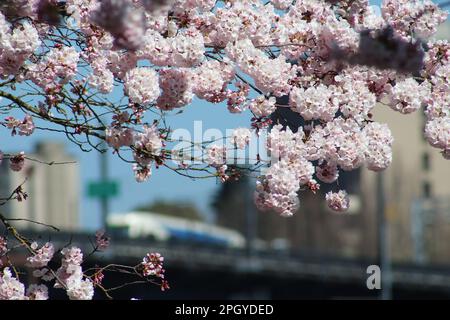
x: 163, y: 184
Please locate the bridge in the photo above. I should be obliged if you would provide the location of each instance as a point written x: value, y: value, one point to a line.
x: 211, y: 272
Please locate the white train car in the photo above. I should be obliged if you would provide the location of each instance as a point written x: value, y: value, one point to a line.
x: 168, y: 228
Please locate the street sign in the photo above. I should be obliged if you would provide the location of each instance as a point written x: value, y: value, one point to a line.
x: 103, y: 189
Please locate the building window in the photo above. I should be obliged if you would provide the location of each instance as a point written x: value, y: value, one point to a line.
x: 424, y: 122
x: 426, y: 190
x: 426, y: 162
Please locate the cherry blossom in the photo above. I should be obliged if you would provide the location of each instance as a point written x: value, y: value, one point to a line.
x: 241, y: 137
x: 119, y: 71
x: 142, y: 173
x: 10, y: 287
x: 101, y: 240
x: 26, y: 128
x: 57, y: 67
x: 118, y: 137
x: 17, y: 162
x: 82, y: 290
x: 176, y: 87
x: 42, y: 255
x: 37, y: 292
x: 337, y: 201
x: 379, y: 146
x: 314, y: 103
x: 419, y: 17
x: 79, y: 284
x: 278, y: 190
x: 153, y: 265
x: 147, y: 143
x: 44, y: 274
x: 437, y: 132
x: 262, y: 107
x: 327, y: 172
x: 141, y: 85
x: 216, y: 155
x: 408, y: 95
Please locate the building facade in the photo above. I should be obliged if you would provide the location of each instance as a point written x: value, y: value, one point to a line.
x: 53, y: 190
x: 416, y: 188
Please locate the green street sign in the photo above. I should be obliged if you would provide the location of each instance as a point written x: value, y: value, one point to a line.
x: 103, y: 189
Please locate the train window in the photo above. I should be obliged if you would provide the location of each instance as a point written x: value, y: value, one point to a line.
x: 118, y: 231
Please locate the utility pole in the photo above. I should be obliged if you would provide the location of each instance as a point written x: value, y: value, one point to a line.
x: 251, y: 217
x: 384, y: 259
x: 104, y: 200
x: 103, y: 189
x: 417, y: 230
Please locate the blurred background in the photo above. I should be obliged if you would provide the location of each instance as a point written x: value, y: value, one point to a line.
x: 217, y: 244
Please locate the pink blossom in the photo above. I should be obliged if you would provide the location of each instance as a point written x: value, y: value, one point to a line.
x: 37, y: 292
x: 10, y: 287
x: 241, y: 137
x: 408, y: 96
x: 236, y: 99
x: 379, y: 146
x: 83, y: 290
x: 142, y: 173
x: 26, y: 128
x: 141, y: 85
x: 262, y: 106
x: 17, y: 162
x: 72, y: 256
x: 101, y: 240
x: 314, y: 102
x: 278, y: 189
x: 413, y: 16
x: 58, y: 67
x: 42, y: 256
x: 437, y: 132
x: 153, y: 265
x: 150, y: 142
x: 210, y: 80
x: 98, y: 278
x: 124, y: 22
x: 216, y: 155
x: 327, y: 172
x: 118, y: 137
x: 337, y: 201
x: 330, y: 62
x: 101, y: 78
x: 281, y: 4
x: 176, y: 86
x: 270, y: 75
x: 45, y: 274
x: 16, y: 46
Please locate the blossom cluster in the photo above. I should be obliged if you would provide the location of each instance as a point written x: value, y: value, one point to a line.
x: 338, y: 144
x: 42, y: 256
x: 13, y: 289
x: 152, y: 265
x: 418, y: 17
x: 437, y: 72
x: 70, y: 276
x: 329, y: 62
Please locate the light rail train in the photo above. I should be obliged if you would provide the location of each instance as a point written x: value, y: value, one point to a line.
x: 166, y: 228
